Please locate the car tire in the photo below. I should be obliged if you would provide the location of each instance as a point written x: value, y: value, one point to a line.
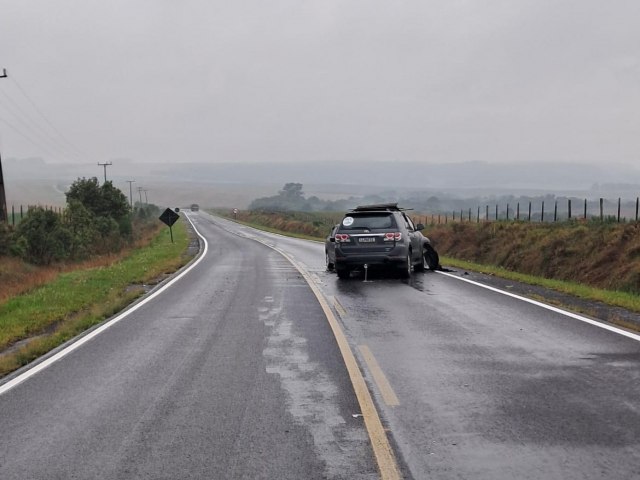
x: 423, y: 265
x: 343, y: 272
x: 405, y: 270
x: 330, y: 265
x: 432, y: 258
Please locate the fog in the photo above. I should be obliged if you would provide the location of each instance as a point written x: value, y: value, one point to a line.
x: 246, y: 82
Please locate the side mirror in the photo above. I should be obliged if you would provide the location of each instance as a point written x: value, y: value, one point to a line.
x: 332, y: 239
x: 420, y: 227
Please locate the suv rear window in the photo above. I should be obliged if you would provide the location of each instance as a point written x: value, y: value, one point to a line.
x: 370, y: 221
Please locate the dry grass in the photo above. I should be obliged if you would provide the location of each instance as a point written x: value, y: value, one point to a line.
x: 605, y: 256
x: 55, y: 304
x: 18, y: 277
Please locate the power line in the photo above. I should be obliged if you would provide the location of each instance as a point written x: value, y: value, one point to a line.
x: 28, y: 138
x: 35, y: 131
x: 71, y: 145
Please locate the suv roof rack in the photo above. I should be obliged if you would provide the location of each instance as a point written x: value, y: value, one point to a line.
x: 380, y: 207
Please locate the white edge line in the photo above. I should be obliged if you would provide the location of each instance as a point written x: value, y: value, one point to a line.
x: 575, y: 316
x: 75, y: 345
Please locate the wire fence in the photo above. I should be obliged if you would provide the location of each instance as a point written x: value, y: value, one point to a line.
x: 570, y: 209
x: 16, y: 214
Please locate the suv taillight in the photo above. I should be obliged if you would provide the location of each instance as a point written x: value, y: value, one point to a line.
x: 342, y: 238
x: 393, y: 237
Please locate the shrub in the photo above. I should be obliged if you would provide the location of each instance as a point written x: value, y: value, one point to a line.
x: 6, y: 238
x: 42, y: 237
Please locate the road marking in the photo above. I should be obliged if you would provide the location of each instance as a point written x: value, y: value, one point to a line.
x: 339, y: 308
x: 388, y: 395
x: 575, y: 316
x: 385, y: 458
x: 4, y: 388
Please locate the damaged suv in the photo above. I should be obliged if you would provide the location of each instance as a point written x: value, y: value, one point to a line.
x: 379, y: 235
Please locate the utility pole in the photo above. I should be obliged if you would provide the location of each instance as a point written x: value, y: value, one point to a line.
x: 4, y: 217
x: 105, y: 165
x: 146, y: 202
x: 140, y: 193
x: 130, y: 195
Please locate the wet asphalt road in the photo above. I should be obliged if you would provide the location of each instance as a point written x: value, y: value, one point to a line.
x: 233, y: 373
x: 488, y: 386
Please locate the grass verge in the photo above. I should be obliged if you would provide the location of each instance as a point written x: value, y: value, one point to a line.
x: 625, y: 300
x: 36, y: 322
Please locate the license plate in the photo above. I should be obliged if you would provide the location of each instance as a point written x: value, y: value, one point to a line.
x: 367, y: 240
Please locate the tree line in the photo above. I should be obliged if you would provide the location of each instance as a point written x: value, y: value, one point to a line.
x: 97, y: 219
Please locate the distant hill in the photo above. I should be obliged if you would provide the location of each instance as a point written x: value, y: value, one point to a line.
x: 33, y: 180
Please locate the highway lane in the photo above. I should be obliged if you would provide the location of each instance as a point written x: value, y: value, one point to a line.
x: 486, y: 386
x: 233, y: 372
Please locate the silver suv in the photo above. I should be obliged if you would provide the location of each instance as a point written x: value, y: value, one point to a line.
x: 380, y: 235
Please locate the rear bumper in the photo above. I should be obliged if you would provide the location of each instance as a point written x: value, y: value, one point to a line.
x: 353, y: 260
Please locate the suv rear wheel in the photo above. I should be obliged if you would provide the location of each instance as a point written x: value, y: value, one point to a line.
x: 330, y: 265
x: 405, y: 269
x: 343, y: 272
x: 422, y: 266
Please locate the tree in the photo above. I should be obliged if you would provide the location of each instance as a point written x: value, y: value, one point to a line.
x: 103, y: 201
x: 42, y: 238
x: 292, y: 191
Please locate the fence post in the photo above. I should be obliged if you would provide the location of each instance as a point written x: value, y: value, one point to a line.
x: 518, y: 212
x: 637, y: 205
x: 461, y: 215
x: 618, y: 209
x: 479, y: 215
x: 585, y: 208
x: 601, y: 209
x: 469, y: 215
x: 555, y: 211
x: 542, y: 213
x: 454, y: 215
x: 529, y: 211
x: 507, y: 211
x: 486, y: 216
x: 496, y: 212
x: 569, y: 208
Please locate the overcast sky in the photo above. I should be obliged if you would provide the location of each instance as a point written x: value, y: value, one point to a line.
x: 300, y: 80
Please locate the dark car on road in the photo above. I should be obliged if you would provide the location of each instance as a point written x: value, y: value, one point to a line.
x: 379, y: 235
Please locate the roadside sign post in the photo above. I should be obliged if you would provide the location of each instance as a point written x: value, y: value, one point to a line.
x: 169, y: 217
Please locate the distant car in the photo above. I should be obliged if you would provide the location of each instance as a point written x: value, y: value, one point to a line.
x: 330, y: 248
x: 195, y: 207
x: 379, y: 235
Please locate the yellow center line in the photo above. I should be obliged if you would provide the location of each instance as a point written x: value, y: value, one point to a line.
x: 387, y: 464
x: 388, y: 395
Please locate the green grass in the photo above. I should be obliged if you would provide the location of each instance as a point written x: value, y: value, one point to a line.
x: 80, y: 299
x: 625, y: 300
